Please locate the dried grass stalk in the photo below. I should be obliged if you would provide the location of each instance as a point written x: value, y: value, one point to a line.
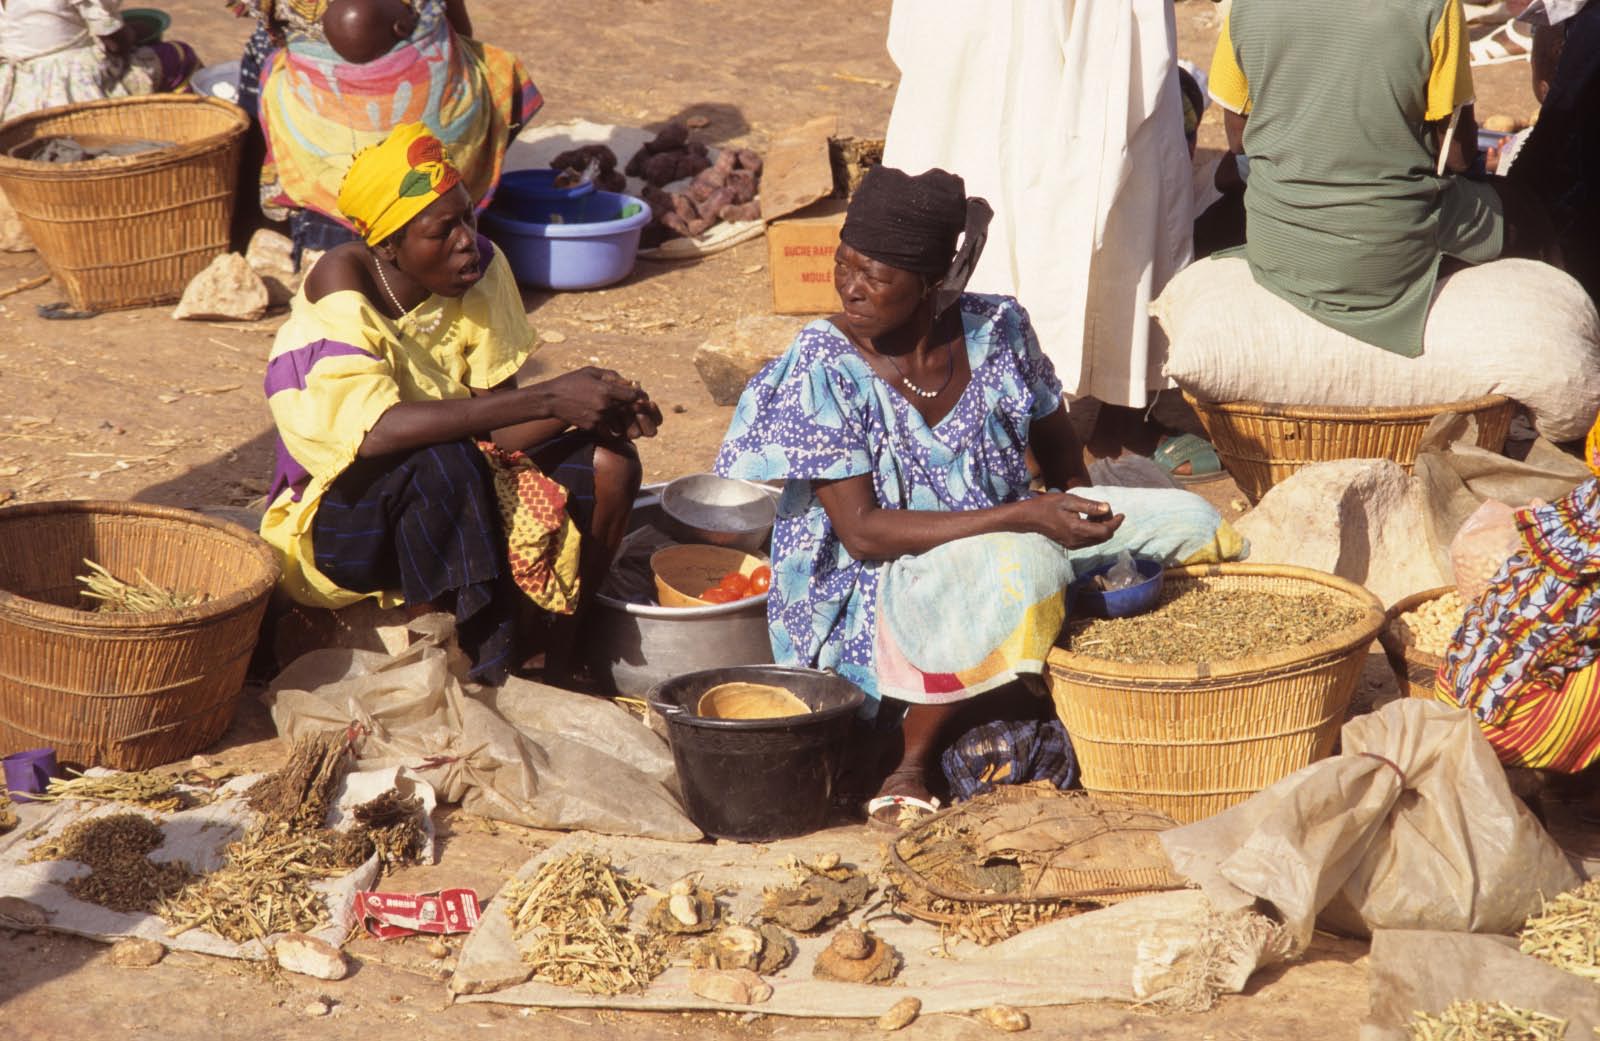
x: 393, y: 822
x: 1566, y: 932
x: 299, y: 793
x: 576, y: 910
x: 112, y: 594
x: 152, y: 791
x: 264, y: 887
x: 1481, y: 1021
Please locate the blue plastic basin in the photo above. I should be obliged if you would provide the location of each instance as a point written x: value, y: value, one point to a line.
x: 532, y: 195
x: 1117, y: 603
x: 595, y: 248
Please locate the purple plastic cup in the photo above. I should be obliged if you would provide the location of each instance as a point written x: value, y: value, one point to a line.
x: 29, y: 772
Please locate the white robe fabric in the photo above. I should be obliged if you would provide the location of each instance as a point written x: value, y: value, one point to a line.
x: 1066, y: 116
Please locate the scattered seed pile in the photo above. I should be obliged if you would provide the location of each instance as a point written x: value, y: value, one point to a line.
x: 112, y: 594
x: 1432, y: 626
x: 576, y: 911
x: 264, y: 887
x: 1479, y: 1021
x: 122, y: 877
x: 152, y: 791
x: 1566, y: 932
x: 8, y: 813
x: 393, y: 824
x: 1194, y: 623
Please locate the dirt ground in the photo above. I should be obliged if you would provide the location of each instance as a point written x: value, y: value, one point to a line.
x: 133, y: 405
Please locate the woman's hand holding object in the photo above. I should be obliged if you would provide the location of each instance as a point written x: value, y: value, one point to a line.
x: 602, y: 401
x: 1072, y: 521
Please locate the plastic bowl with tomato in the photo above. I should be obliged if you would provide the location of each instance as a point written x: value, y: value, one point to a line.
x: 735, y: 586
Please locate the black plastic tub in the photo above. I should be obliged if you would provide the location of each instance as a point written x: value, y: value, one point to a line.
x: 754, y: 780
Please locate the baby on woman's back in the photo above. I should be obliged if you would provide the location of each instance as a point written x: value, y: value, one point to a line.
x: 365, y: 30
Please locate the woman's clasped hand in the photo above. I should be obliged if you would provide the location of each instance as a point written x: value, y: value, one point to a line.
x: 602, y: 401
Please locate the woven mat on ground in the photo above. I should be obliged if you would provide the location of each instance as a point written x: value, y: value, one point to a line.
x: 537, y: 145
x: 197, y: 836
x: 1146, y: 948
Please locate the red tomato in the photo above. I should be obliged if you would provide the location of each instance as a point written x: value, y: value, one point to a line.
x: 760, y: 580
x: 718, y: 595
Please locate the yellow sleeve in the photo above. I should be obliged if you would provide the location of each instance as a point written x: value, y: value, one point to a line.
x: 1450, y: 78
x: 501, y: 339
x: 325, y: 396
x: 1228, y: 85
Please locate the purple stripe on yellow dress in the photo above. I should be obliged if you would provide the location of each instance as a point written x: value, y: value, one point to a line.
x: 288, y: 371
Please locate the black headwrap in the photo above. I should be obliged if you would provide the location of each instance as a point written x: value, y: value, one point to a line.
x: 914, y: 223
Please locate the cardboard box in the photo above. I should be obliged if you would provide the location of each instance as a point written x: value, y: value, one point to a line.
x: 800, y: 258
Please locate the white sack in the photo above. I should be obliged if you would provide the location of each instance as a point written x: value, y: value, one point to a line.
x: 1412, y: 827
x: 413, y: 709
x: 1512, y: 327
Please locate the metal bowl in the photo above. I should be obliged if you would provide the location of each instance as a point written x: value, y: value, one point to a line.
x: 718, y: 511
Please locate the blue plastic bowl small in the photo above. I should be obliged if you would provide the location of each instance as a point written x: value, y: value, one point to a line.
x: 1118, y: 603
x: 597, y: 249
x: 532, y: 195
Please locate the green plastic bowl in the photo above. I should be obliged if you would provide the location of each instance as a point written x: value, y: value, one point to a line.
x: 149, y: 24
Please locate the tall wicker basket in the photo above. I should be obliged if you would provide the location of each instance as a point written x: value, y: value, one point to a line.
x: 127, y: 231
x: 130, y: 691
x: 1260, y: 444
x: 1193, y: 740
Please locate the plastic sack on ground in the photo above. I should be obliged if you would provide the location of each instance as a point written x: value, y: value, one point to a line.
x: 1412, y: 827
x: 1487, y: 539
x: 568, y: 761
x: 1418, y: 971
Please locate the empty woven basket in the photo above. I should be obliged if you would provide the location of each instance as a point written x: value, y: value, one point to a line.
x: 1192, y: 740
x: 1260, y: 444
x: 124, y: 690
x: 127, y: 231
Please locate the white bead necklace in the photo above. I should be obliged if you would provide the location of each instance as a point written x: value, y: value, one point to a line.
x: 425, y: 328
x: 918, y: 391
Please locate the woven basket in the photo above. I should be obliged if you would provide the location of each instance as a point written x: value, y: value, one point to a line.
x: 132, y: 230
x: 1262, y: 444
x: 129, y: 691
x: 1414, y: 669
x: 1193, y: 740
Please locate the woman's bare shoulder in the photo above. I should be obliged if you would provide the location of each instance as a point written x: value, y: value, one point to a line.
x: 343, y: 267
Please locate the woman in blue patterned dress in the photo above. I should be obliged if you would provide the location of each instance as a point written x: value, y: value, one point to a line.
x: 914, y: 418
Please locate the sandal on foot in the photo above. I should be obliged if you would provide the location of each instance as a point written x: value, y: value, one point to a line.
x: 896, y: 811
x: 1506, y: 43
x: 1204, y: 465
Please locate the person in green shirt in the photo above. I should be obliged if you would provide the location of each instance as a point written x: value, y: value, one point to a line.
x: 1357, y: 122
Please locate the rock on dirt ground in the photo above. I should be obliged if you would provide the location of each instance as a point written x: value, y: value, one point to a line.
x: 133, y: 405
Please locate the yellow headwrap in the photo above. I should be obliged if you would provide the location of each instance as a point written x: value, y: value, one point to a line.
x: 1591, y: 448
x: 391, y: 182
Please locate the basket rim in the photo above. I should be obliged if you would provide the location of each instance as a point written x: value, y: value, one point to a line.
x: 239, y: 124
x: 18, y: 606
x: 1349, y: 413
x: 1390, y: 637
x: 1341, y: 642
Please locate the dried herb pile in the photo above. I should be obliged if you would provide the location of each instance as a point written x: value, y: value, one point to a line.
x: 299, y: 793
x: 264, y: 887
x: 392, y: 822
x: 1480, y: 1021
x: 1566, y: 932
x: 8, y: 813
x: 1194, y: 623
x: 115, y: 848
x: 576, y: 911
x: 112, y: 594
x: 151, y: 791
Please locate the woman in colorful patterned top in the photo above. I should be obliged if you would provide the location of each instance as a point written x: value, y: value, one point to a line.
x: 327, y: 78
x: 1526, y: 660
x: 411, y: 466
x: 905, y: 422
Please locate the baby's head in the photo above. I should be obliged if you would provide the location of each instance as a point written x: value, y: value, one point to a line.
x: 365, y: 30
x: 1548, y: 43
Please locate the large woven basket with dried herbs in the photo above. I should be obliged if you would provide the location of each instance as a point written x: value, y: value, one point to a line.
x: 1023, y: 855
